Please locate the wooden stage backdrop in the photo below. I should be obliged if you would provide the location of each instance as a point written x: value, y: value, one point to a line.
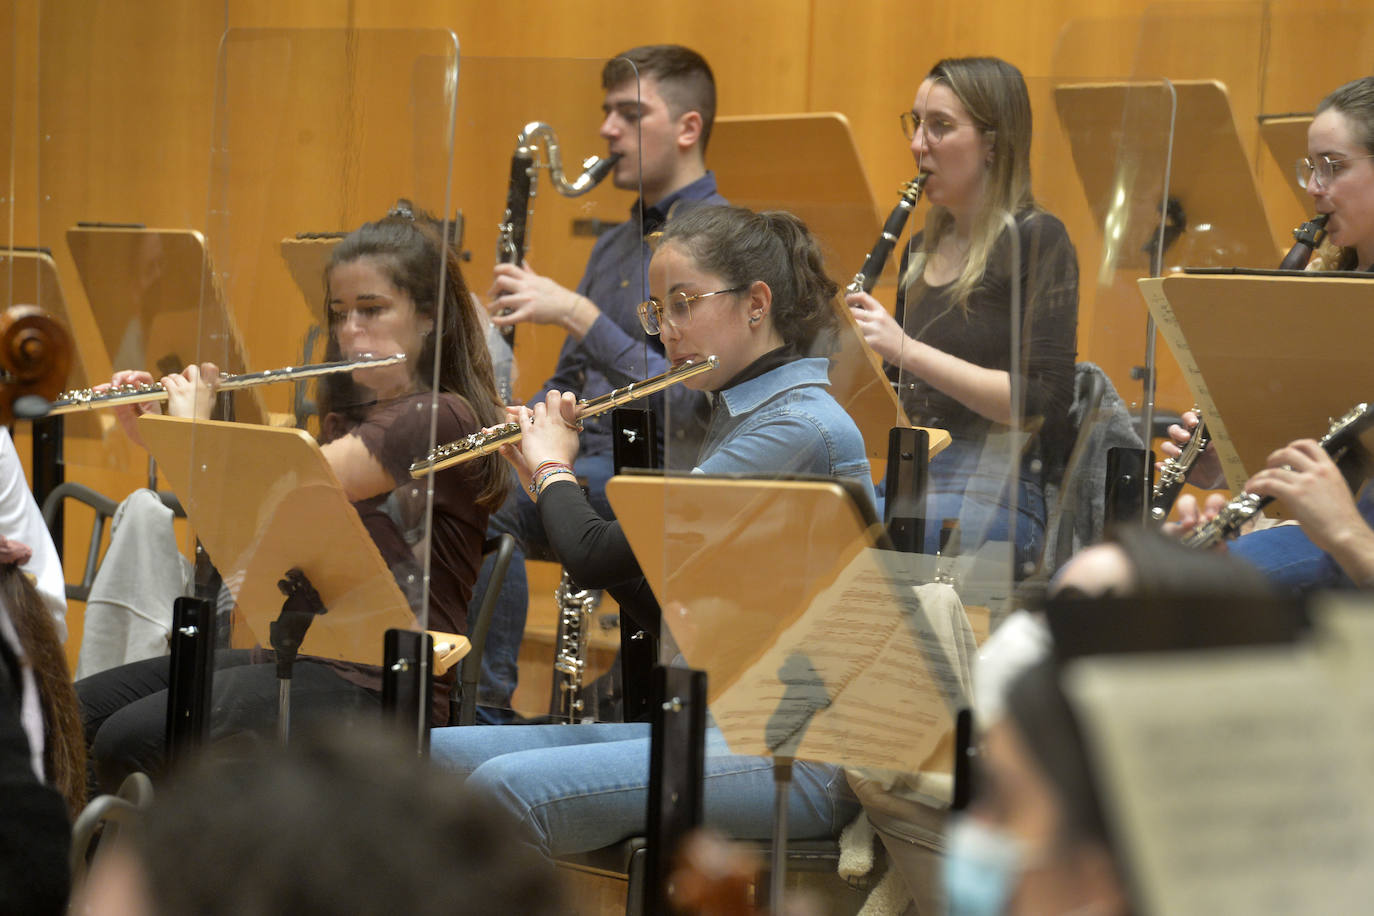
x: 108, y: 106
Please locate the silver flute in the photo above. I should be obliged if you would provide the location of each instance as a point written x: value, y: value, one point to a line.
x: 479, y: 444
x: 118, y: 395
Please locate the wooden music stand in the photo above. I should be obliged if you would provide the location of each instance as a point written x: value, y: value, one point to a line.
x: 1269, y: 359
x: 1286, y: 137
x: 756, y: 573
x: 812, y: 168
x: 154, y: 298
x: 306, y: 259
x: 1211, y: 176
x: 263, y: 500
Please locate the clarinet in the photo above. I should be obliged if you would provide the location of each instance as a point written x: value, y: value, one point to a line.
x: 892, y: 230
x: 1306, y: 237
x: 575, y: 607
x: 1338, y: 441
x: 511, y: 244
x: 510, y: 239
x: 1175, y: 472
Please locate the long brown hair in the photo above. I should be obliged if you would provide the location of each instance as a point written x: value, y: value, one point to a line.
x: 64, y: 742
x: 411, y: 248
x: 994, y: 94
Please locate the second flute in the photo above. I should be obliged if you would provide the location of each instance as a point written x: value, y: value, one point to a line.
x: 479, y: 444
x: 118, y: 395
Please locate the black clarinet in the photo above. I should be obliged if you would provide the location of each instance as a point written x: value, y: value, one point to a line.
x: 865, y: 279
x: 1339, y: 441
x: 1175, y: 471
x: 1307, y: 237
x: 510, y: 241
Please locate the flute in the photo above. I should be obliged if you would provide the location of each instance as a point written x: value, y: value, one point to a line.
x: 118, y: 395
x: 476, y: 445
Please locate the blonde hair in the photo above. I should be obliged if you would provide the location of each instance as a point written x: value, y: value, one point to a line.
x: 994, y: 94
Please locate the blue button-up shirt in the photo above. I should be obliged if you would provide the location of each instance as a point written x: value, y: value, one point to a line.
x: 615, y: 350
x: 784, y: 422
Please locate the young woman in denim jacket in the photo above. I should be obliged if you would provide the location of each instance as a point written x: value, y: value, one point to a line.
x: 751, y: 290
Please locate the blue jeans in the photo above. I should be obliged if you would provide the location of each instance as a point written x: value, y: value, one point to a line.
x: 574, y: 788
x: 968, y: 482
x: 1290, y: 560
x: 520, y: 516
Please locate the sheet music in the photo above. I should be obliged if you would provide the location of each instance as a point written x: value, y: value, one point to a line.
x: 1231, y: 779
x: 870, y: 674
x: 1152, y: 288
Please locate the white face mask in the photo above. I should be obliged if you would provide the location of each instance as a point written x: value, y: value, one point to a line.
x: 982, y: 866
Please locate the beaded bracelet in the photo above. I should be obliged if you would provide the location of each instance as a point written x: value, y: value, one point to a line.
x: 546, y: 464
x: 538, y: 485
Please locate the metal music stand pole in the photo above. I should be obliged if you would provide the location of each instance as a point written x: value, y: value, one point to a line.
x: 904, y: 502
x: 408, y: 681
x: 191, y: 674
x: 677, y: 766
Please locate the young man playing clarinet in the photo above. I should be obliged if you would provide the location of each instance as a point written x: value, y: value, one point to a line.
x: 659, y: 105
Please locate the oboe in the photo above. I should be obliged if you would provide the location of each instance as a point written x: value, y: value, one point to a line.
x: 117, y: 395
x: 1306, y: 237
x: 1338, y: 439
x: 1175, y: 472
x: 892, y: 230
x: 479, y: 444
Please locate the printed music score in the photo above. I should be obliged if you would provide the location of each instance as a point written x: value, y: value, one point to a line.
x: 871, y: 674
x: 1237, y: 781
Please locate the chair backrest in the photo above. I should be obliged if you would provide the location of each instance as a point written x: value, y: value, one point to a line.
x: 104, y: 508
x: 1077, y: 508
x: 463, y: 700
x: 102, y: 818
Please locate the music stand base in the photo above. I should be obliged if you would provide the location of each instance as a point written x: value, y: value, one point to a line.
x: 782, y: 787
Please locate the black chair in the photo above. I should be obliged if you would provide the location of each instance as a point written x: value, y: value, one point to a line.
x: 1076, y: 503
x: 102, y: 818
x: 104, y: 508
x: 463, y: 700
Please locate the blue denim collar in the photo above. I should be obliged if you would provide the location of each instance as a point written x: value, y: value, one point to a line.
x: 749, y: 396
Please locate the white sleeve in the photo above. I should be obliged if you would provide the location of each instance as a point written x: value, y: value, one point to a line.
x: 21, y: 520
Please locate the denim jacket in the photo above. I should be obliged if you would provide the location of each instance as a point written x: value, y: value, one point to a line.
x: 784, y: 422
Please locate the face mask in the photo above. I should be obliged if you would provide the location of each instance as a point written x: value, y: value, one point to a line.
x: 981, y: 868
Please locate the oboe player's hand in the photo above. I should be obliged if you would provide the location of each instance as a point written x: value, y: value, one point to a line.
x: 1189, y: 514
x: 1206, y: 472
x: 880, y: 330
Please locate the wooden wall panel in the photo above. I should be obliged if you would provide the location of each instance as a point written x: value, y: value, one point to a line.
x: 111, y: 107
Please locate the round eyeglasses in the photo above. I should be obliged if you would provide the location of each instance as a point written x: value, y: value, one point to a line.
x: 1321, y: 171
x: 935, y: 126
x: 677, y: 311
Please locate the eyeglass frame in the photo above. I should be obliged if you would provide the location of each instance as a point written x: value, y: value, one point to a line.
x: 1305, y: 164
x: 652, y: 302
x: 920, y: 124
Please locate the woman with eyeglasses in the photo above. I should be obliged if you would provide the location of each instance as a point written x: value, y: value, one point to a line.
x: 751, y: 290
x: 1338, y: 173
x: 1329, y: 550
x: 989, y: 266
